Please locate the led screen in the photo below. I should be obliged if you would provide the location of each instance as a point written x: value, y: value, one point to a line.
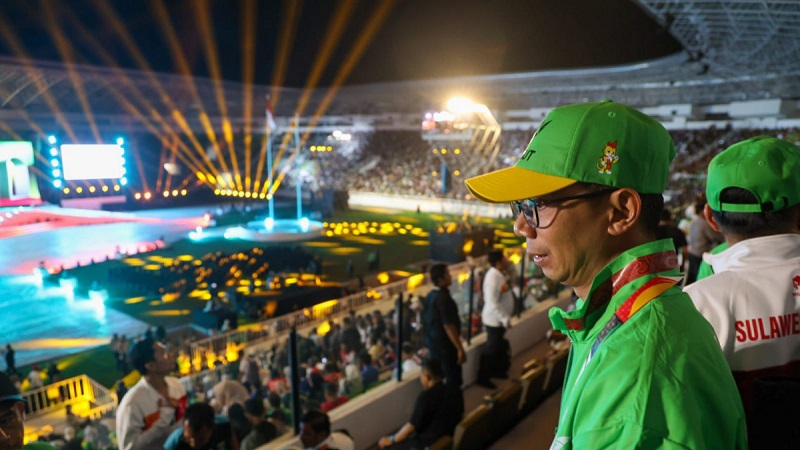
x: 91, y: 162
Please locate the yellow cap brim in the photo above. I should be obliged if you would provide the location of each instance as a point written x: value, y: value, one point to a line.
x: 514, y: 183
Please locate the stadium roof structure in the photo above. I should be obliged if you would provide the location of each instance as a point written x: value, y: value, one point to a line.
x: 734, y: 51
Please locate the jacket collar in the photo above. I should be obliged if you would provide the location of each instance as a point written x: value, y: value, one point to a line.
x: 614, y: 283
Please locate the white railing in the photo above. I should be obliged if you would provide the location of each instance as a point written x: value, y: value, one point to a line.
x: 71, y: 391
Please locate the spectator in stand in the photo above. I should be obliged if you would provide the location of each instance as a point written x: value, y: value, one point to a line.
x: 249, y: 372
x: 350, y: 335
x: 442, y: 325
x: 437, y: 411
x: 35, y: 377
x: 315, y: 433
x: 645, y: 370
x: 369, y: 373
x: 121, y: 390
x: 332, y: 398
x: 702, y: 238
x: 226, y: 393
x: 202, y: 430
x: 53, y: 374
x: 152, y: 408
x: 410, y: 359
x: 263, y: 431
x: 754, y: 200
x: 11, y: 364
x: 668, y: 230
x: 279, y: 419
x: 12, y: 415
x: 498, y: 305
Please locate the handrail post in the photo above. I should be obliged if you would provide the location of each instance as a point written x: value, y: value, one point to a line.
x: 294, y: 373
x: 470, y: 294
x: 399, y: 350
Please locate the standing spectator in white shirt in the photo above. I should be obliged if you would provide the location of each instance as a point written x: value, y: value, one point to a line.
x: 498, y: 305
x: 152, y: 408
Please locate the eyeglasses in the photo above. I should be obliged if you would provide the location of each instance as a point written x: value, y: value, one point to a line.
x: 530, y: 206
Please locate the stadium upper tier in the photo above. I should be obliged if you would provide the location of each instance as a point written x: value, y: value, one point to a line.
x: 735, y: 51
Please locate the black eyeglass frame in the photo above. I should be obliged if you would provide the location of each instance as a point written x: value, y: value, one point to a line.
x: 532, y: 205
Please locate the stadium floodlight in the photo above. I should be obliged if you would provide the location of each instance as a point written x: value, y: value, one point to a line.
x: 460, y: 105
x: 51, y: 139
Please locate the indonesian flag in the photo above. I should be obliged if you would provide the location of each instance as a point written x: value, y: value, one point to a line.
x: 271, y: 126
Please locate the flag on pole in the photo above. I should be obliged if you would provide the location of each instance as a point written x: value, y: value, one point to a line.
x: 271, y: 126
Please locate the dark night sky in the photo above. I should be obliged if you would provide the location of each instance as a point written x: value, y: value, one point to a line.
x: 421, y: 39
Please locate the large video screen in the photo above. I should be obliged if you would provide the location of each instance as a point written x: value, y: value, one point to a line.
x: 92, y: 162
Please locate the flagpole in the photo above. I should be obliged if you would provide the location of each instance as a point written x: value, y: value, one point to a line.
x: 270, y: 196
x: 297, y: 179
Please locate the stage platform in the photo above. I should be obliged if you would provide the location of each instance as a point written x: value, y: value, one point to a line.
x: 42, y: 322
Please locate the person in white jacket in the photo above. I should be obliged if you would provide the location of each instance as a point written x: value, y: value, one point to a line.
x: 498, y: 306
x: 152, y: 408
x: 753, y: 298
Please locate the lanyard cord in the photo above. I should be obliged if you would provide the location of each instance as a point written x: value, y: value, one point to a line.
x: 631, y: 306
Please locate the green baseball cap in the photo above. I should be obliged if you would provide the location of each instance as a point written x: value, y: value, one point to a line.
x: 767, y: 167
x: 604, y: 143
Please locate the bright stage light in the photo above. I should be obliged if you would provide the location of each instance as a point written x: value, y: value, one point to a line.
x: 123, y: 181
x: 66, y: 190
x: 120, y: 141
x: 53, y: 151
x: 137, y: 196
x: 116, y: 187
x: 147, y: 195
x: 57, y: 183
x: 304, y: 224
x: 105, y: 188
x: 183, y: 191
x: 269, y: 223
x: 79, y: 189
x: 91, y: 188
x: 56, y: 172
x: 174, y: 192
x: 51, y: 139
x: 54, y: 162
x: 166, y: 193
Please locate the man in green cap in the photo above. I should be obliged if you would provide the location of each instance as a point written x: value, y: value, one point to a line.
x: 753, y: 192
x: 645, y: 370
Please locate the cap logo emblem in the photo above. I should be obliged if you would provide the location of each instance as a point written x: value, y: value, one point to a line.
x: 608, y: 159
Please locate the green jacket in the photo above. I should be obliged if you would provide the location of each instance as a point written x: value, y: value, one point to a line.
x: 659, y: 380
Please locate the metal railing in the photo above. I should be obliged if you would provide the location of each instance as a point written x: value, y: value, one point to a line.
x: 273, y: 331
x: 72, y: 391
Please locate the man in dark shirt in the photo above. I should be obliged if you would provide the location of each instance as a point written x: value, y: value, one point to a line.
x: 369, y: 373
x: 442, y: 326
x: 202, y: 431
x: 263, y: 431
x: 437, y: 411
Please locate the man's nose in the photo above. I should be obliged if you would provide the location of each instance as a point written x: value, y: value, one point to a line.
x: 522, y: 229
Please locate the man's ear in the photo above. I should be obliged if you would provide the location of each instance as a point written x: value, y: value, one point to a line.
x: 710, y: 218
x: 626, y: 207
